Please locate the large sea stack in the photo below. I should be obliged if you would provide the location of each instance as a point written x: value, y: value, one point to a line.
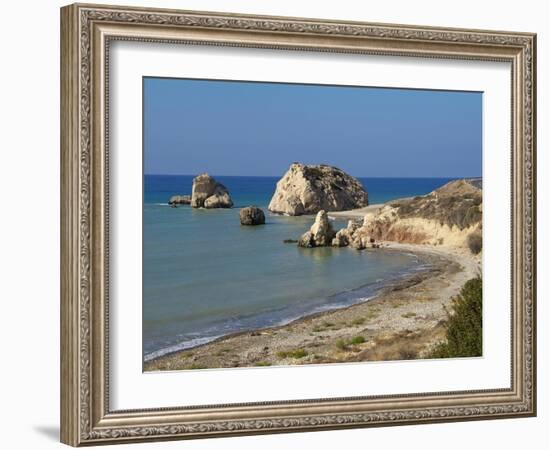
x: 208, y: 193
x: 308, y: 189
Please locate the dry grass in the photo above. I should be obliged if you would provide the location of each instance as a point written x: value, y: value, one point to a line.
x: 197, y: 366
x: 345, y: 344
x: 403, y: 345
x: 358, y: 321
x: 324, y: 326
x: 262, y: 364
x: 455, y: 204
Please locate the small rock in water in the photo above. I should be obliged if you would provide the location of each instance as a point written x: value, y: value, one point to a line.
x: 252, y: 215
x: 306, y: 240
x: 179, y: 200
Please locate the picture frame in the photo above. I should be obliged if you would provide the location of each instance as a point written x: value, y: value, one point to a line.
x: 87, y: 32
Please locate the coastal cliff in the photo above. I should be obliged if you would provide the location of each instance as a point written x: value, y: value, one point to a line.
x: 308, y: 189
x: 450, y: 216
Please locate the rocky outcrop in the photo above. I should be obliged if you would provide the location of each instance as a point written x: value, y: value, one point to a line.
x: 308, y: 189
x: 208, y: 193
x: 345, y: 235
x: 252, y: 215
x: 355, y: 235
x: 179, y: 200
x: 306, y: 240
x: 320, y: 234
x: 450, y: 216
x: 362, y: 239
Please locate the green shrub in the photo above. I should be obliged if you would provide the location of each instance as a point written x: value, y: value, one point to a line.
x: 300, y: 353
x: 475, y: 242
x: 342, y: 344
x: 464, y: 327
x: 297, y: 354
x: 357, y: 340
x: 262, y: 364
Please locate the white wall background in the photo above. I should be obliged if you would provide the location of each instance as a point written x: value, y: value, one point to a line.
x: 29, y: 222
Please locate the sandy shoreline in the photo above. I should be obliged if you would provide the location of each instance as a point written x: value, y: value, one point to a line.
x: 404, y: 321
x: 358, y: 213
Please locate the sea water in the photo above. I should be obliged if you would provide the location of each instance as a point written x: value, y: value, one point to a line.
x: 206, y: 276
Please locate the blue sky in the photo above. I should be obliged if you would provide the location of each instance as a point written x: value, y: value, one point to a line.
x: 244, y: 128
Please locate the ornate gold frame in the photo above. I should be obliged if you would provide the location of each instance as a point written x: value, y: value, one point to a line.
x: 86, y: 31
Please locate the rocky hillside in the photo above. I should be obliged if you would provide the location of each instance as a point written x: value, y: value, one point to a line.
x: 450, y: 215
x: 456, y: 204
x: 308, y: 189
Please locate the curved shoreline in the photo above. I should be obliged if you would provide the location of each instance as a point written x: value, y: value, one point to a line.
x: 375, y: 288
x: 402, y: 321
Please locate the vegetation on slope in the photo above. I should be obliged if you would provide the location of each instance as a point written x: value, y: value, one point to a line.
x: 475, y: 241
x: 464, y: 328
x: 458, y: 203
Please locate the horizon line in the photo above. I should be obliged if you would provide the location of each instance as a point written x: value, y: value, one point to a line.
x: 280, y: 176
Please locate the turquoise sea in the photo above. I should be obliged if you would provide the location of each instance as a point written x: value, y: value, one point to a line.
x: 205, y: 276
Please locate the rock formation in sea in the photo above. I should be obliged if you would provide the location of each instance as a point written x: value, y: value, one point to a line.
x: 308, y: 189
x: 345, y: 235
x: 208, y: 193
x: 179, y: 200
x: 252, y: 215
x: 320, y: 234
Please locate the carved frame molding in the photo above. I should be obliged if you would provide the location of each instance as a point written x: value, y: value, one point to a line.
x: 86, y: 32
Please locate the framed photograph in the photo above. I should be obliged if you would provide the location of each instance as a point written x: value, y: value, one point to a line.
x: 275, y: 224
